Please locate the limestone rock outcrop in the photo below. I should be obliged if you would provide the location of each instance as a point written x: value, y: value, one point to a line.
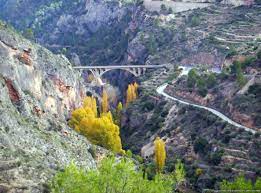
x: 35, y: 101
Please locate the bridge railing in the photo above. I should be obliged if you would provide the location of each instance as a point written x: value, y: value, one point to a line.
x: 119, y: 67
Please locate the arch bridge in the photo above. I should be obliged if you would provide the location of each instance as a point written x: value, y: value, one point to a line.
x: 136, y: 70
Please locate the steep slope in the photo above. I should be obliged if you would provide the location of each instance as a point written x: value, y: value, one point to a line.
x: 37, y: 92
x: 91, y: 32
x: 211, y: 148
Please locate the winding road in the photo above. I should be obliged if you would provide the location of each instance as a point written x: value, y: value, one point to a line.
x: 160, y: 90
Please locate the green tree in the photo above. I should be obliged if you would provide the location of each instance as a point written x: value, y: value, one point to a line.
x: 240, y: 183
x: 192, y: 78
x: 179, y: 172
x: 111, y: 177
x: 201, y: 84
x: 29, y: 34
x: 211, y: 80
x: 241, y: 80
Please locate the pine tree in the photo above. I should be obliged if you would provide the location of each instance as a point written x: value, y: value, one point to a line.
x: 160, y: 154
x: 105, y: 105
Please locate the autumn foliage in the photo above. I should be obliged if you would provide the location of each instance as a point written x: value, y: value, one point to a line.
x: 118, y: 113
x: 100, y: 130
x: 105, y: 104
x: 132, y: 93
x: 160, y: 154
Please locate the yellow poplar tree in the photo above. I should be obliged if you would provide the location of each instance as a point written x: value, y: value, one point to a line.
x: 99, y: 130
x: 160, y: 153
x: 118, y: 113
x: 132, y: 93
x: 136, y: 86
x: 105, y: 105
x: 78, y: 115
x: 90, y: 102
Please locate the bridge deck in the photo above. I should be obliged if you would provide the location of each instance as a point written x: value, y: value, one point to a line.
x: 118, y: 67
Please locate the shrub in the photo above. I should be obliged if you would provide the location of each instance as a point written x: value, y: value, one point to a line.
x: 211, y: 81
x: 195, y: 21
x: 129, y: 154
x: 241, y: 80
x: 179, y: 172
x: 232, y: 52
x: 198, y: 171
x: 163, y: 7
x: 215, y: 158
x: 148, y: 105
x: 201, y: 145
x: 111, y: 177
x: 259, y: 54
x: 240, y: 183
x: 248, y: 61
x: 192, y: 78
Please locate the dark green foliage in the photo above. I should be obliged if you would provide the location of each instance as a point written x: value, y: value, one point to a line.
x: 255, y: 89
x: 201, y: 145
x: 201, y: 84
x: 232, y: 52
x: 151, y: 44
x: 29, y: 34
x: 170, y: 10
x: 215, y: 158
x: 248, y: 61
x: 259, y: 54
x: 236, y: 67
x: 241, y: 80
x: 195, y: 21
x: 150, y: 170
x: 148, y: 105
x: 192, y: 78
x: 163, y: 7
x: 211, y: 80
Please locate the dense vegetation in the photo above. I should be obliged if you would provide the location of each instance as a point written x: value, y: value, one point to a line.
x: 99, y: 128
x: 241, y: 184
x: 112, y: 176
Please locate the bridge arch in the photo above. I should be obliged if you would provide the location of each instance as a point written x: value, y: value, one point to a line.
x: 136, y: 70
x: 98, y: 73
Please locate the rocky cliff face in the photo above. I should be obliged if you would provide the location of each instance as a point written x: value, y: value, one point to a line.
x: 38, y: 90
x: 89, y: 32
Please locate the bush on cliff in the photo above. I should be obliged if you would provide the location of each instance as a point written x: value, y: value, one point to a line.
x: 112, y: 176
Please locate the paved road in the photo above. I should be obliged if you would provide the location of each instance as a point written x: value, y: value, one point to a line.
x: 160, y: 90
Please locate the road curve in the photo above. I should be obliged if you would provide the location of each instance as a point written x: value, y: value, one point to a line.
x: 160, y: 90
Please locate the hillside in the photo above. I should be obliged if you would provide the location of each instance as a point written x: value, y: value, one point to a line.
x: 38, y: 90
x: 211, y: 56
